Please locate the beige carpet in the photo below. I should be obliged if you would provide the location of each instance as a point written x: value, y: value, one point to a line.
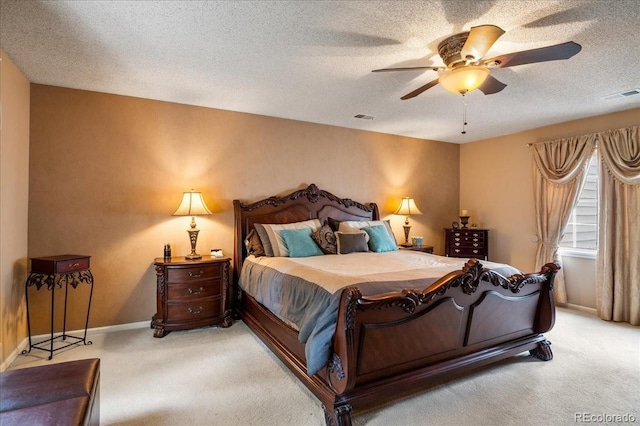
x: 227, y: 377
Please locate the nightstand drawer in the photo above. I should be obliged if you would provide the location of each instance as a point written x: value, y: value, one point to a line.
x: 202, y: 272
x: 194, y: 310
x: 59, y: 264
x: 194, y: 290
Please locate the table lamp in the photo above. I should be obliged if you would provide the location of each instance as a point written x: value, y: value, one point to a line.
x: 407, y: 208
x: 192, y: 205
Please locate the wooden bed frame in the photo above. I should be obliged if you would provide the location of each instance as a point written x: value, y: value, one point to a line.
x: 387, y: 345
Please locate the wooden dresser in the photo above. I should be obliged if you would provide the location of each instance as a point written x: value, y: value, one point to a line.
x: 191, y: 293
x: 467, y: 242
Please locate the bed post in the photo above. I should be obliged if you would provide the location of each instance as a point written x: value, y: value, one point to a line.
x: 340, y: 415
x: 546, y: 317
x: 238, y: 256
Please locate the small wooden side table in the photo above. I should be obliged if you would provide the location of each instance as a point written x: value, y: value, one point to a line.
x: 52, y: 272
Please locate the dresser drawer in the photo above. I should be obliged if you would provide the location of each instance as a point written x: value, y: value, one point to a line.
x: 202, y: 272
x: 464, y: 252
x: 194, y: 290
x: 468, y: 244
x: 193, y: 310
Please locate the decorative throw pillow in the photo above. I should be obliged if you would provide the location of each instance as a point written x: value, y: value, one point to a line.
x: 362, y: 223
x: 299, y: 242
x: 253, y: 244
x: 351, y: 242
x: 379, y: 239
x: 272, y: 240
x: 326, y: 239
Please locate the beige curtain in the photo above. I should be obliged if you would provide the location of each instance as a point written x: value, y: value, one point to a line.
x: 559, y: 174
x: 618, y: 266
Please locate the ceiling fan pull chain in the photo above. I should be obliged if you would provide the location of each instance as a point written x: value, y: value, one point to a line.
x: 464, y: 114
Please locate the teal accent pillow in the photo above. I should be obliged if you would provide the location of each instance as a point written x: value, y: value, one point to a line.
x: 379, y: 238
x: 299, y: 242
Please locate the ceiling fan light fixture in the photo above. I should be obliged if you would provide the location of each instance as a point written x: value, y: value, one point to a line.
x: 464, y: 79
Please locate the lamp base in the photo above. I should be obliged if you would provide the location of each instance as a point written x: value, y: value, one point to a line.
x: 193, y: 237
x: 407, y: 228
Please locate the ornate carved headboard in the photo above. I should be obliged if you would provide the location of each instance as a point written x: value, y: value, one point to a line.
x: 304, y: 204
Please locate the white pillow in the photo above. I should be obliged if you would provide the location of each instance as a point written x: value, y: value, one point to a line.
x: 273, y: 242
x: 346, y: 229
x: 358, y: 224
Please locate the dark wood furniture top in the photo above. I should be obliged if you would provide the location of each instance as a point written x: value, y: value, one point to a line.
x: 60, y: 264
x: 191, y: 293
x: 66, y: 393
x: 424, y: 249
x: 467, y: 243
x: 471, y: 317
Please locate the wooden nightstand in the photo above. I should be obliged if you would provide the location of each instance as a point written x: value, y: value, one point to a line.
x: 191, y: 293
x: 424, y: 249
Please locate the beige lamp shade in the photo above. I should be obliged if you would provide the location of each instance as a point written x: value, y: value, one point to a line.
x: 192, y: 205
x: 464, y: 79
x: 408, y: 207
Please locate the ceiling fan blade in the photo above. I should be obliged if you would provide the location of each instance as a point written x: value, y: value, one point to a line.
x: 542, y: 54
x: 409, y: 69
x: 491, y: 85
x: 480, y: 40
x: 419, y: 90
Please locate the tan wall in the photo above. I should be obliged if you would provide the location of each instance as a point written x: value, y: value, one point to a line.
x: 496, y: 184
x: 14, y: 195
x: 107, y: 172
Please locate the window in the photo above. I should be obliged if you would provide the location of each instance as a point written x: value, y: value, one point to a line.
x: 581, y: 234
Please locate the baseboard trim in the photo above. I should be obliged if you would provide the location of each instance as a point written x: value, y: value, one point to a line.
x: 591, y: 311
x: 13, y: 355
x: 96, y: 330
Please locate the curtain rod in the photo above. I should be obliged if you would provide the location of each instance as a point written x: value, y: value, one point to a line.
x: 586, y: 134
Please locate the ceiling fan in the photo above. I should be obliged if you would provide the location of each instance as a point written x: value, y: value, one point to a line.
x: 467, y: 70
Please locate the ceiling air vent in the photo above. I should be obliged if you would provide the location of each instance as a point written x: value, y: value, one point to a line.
x: 621, y: 95
x: 364, y: 117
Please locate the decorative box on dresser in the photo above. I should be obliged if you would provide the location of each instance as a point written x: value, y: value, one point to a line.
x: 467, y: 242
x: 191, y: 294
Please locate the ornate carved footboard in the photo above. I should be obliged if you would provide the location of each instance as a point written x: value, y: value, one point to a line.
x: 392, y: 343
x: 388, y: 344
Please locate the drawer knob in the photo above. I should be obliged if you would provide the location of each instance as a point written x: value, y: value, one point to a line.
x: 195, y: 312
x: 196, y: 274
x: 457, y: 251
x: 198, y: 291
x: 475, y: 251
x: 457, y: 244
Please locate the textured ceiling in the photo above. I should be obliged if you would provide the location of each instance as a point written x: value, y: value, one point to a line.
x: 312, y: 60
